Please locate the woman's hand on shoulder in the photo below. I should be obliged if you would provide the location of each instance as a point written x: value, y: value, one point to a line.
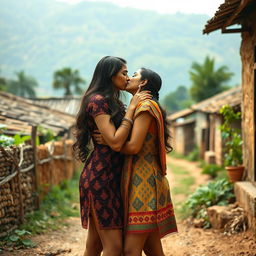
x: 140, y: 96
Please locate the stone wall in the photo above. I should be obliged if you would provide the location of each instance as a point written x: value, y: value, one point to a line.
x: 218, y: 147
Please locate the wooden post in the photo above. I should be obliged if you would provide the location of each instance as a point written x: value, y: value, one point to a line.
x: 65, y: 156
x: 33, y: 138
x: 20, y: 192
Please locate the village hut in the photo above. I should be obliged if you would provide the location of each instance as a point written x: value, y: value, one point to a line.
x: 198, y: 126
x: 239, y: 16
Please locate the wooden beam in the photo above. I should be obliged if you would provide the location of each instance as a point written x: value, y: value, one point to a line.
x: 242, y: 5
x: 233, y: 30
x: 254, y: 66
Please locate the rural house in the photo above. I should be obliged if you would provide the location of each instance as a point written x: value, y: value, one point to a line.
x: 198, y: 126
x: 242, y: 14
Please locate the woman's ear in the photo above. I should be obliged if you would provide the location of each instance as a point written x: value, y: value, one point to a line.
x: 143, y: 83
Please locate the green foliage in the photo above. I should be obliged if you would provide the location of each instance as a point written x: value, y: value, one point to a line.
x: 212, y: 170
x: 65, y: 79
x: 2, y: 84
x: 177, y: 100
x: 24, y: 86
x: 45, y: 135
x: 18, y: 139
x: 18, y: 239
x: 194, y: 154
x: 232, y: 137
x: 206, y: 81
x: 218, y: 192
x: 59, y: 203
x: 6, y: 140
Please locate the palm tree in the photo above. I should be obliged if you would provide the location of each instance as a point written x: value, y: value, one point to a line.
x: 24, y: 86
x: 65, y: 79
x: 206, y: 81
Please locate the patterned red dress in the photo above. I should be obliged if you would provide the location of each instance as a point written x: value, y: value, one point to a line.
x: 101, y: 177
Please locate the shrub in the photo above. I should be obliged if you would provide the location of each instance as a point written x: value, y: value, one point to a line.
x: 194, y: 154
x: 218, y: 192
x: 232, y: 137
x: 212, y: 170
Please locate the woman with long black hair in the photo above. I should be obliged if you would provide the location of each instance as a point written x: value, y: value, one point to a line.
x: 100, y: 198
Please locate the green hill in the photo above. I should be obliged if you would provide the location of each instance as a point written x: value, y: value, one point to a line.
x: 44, y: 35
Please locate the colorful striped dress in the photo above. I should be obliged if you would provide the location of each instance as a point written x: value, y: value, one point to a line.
x: 146, y: 193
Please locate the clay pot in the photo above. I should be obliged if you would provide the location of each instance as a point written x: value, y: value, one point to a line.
x: 235, y: 173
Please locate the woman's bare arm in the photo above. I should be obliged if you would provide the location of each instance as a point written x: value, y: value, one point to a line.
x: 139, y: 132
x: 115, y: 138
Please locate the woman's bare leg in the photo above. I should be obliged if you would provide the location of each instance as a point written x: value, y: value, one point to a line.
x: 111, y: 239
x: 153, y: 245
x: 93, y: 242
x: 134, y: 244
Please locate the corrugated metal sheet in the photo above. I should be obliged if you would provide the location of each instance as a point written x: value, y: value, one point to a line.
x: 19, y: 114
x: 69, y: 105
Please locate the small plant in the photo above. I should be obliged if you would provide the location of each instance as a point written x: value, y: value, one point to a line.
x: 6, y: 140
x: 45, y: 135
x: 212, y: 170
x: 232, y: 137
x: 218, y: 192
x: 19, y: 239
x: 194, y: 154
x: 60, y: 202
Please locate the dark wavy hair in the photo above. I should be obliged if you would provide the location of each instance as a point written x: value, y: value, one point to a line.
x: 154, y: 85
x: 101, y: 83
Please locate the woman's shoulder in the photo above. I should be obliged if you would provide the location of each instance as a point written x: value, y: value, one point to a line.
x: 97, y: 98
x: 97, y: 103
x: 147, y: 104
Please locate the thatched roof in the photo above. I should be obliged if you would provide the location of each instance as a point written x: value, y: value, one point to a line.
x: 231, y: 12
x: 19, y: 114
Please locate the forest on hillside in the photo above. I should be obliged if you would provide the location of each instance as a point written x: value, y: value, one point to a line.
x: 40, y: 37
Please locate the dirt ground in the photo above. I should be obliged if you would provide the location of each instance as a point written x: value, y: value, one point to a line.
x: 189, y: 241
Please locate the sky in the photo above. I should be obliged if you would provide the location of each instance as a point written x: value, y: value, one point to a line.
x: 208, y: 7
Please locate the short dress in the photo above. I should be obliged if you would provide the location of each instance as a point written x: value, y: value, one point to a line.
x: 147, y: 200
x: 100, y: 179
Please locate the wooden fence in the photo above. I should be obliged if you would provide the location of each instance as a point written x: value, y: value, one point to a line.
x: 26, y: 174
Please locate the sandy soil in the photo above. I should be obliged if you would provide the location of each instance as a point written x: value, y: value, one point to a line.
x: 190, y: 241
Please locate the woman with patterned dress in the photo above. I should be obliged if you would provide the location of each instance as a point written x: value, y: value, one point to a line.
x: 100, y: 197
x: 148, y: 209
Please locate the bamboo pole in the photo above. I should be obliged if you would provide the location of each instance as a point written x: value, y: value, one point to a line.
x: 33, y: 138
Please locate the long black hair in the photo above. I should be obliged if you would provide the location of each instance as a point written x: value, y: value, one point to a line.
x: 101, y: 83
x: 154, y: 83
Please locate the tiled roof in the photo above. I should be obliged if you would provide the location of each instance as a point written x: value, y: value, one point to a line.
x: 19, y: 114
x: 232, y: 97
x: 229, y: 13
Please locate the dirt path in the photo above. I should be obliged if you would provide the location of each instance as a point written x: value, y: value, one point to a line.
x: 189, y: 241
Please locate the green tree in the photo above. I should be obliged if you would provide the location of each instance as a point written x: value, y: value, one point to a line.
x: 177, y: 100
x: 206, y: 81
x: 67, y: 78
x: 3, y: 83
x: 24, y: 86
